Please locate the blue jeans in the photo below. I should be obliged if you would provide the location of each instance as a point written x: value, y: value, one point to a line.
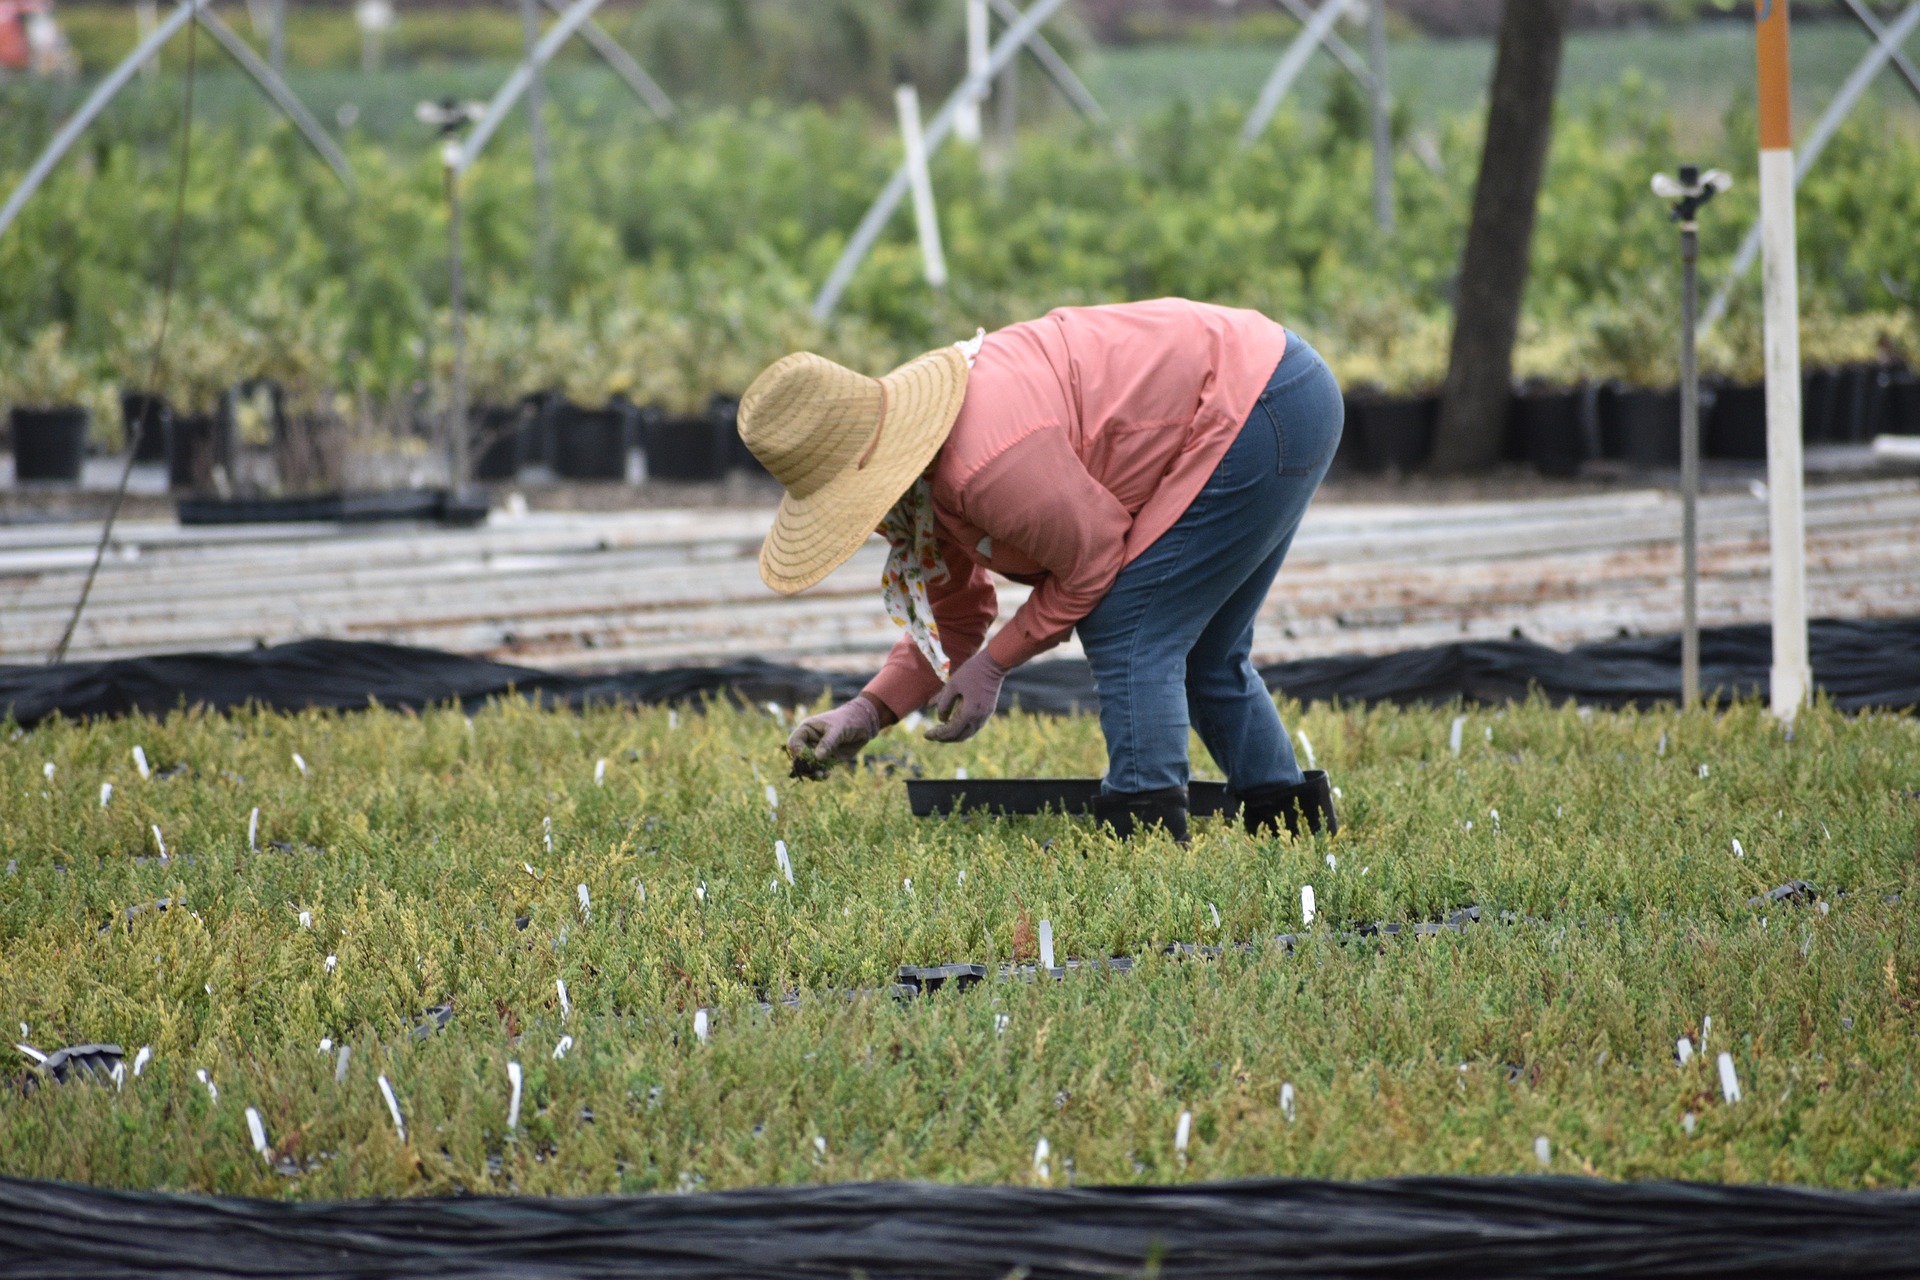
x: 1174, y: 637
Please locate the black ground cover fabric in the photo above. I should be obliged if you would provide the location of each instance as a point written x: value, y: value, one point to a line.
x: 1479, y: 1227
x: 1858, y: 664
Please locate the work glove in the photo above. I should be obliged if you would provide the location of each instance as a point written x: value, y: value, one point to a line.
x: 837, y: 734
x: 968, y: 699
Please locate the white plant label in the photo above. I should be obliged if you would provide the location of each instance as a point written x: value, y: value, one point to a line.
x: 546, y: 832
x: 1454, y: 734
x: 340, y: 1064
x: 600, y: 773
x: 1660, y: 747
x: 1495, y: 815
x: 962, y: 877
x: 47, y: 769
x: 159, y: 840
x: 700, y: 891
x: 773, y: 799
x: 140, y: 762
x: 700, y: 1025
x: 258, y: 1132
x: 819, y: 1144
x: 1703, y: 771
x: 1683, y: 1050
x: 1046, y: 944
x: 528, y: 868
x: 586, y: 902
x: 1215, y: 913
x: 106, y: 794
x: 781, y: 859
x: 641, y: 890
x: 326, y: 1045
x: 332, y: 963
x: 1286, y: 1101
x: 213, y: 1090
x: 560, y: 1050
x: 142, y: 1058
x: 393, y: 1107
x: 1543, y: 1151
x: 306, y: 920
x: 300, y: 764
x: 1738, y: 852
x: 1000, y: 1021
x: 1333, y: 863
x: 1306, y: 904
x: 1182, y: 1132
x: 1729, y: 1082
x: 1042, y: 1166
x: 960, y: 774
x: 119, y: 1076
x: 908, y: 884
x: 513, y: 1097
x: 673, y: 718
x: 1687, y: 1122
x: 566, y: 1006
x: 253, y: 830
x: 1306, y: 747
x: 1706, y: 1028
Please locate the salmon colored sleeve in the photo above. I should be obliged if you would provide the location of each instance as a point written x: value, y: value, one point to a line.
x: 1038, y: 496
x: 965, y: 605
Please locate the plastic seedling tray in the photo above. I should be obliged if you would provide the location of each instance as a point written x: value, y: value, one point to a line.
x: 931, y: 797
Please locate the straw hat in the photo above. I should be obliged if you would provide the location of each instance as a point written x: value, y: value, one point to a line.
x: 845, y: 446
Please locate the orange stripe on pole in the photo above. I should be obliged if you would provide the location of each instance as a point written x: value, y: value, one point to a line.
x: 1776, y: 98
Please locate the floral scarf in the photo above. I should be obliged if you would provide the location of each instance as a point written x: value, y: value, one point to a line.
x: 914, y: 560
x: 913, y: 555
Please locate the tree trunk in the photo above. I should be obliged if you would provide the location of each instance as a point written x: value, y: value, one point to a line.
x: 1493, y: 270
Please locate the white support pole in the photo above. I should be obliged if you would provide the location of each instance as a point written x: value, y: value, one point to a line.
x: 1792, y: 674
x: 277, y: 37
x: 874, y: 221
x: 1288, y: 69
x: 966, y: 125
x: 1342, y: 51
x: 907, y: 101
x: 1887, y: 45
x: 146, y: 16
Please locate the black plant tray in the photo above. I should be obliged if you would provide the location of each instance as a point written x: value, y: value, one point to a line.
x: 934, y: 796
x: 345, y: 508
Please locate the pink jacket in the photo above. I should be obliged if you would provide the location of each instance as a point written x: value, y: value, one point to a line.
x: 1084, y: 436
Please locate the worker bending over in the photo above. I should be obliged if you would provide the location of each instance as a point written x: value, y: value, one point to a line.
x: 1142, y: 466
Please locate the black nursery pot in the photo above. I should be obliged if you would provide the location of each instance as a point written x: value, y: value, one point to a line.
x: 1901, y: 414
x: 1549, y: 431
x: 151, y: 415
x: 49, y: 444
x: 501, y: 437
x: 196, y: 444
x: 1395, y: 432
x: 1641, y: 427
x: 1737, y: 427
x: 689, y: 448
x: 590, y: 444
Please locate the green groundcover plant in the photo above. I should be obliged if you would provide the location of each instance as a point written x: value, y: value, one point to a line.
x: 330, y: 878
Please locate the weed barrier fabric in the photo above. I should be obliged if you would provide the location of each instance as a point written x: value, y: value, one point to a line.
x: 1859, y: 664
x: 1544, y: 1226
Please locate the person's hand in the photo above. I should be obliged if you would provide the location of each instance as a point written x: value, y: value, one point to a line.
x: 968, y: 699
x: 837, y: 734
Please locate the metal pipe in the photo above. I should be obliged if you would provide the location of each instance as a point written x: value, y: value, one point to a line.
x: 277, y: 37
x: 90, y: 110
x: 883, y: 206
x: 1899, y: 58
x: 1382, y: 116
x: 644, y: 86
x: 542, y: 164
x: 1342, y: 51
x: 1070, y: 85
x: 282, y: 95
x: 1288, y: 69
x: 516, y: 84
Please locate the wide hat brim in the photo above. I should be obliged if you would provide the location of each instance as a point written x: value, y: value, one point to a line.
x: 816, y: 534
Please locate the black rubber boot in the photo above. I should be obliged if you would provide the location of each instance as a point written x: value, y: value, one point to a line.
x: 1130, y: 811
x: 1271, y: 807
